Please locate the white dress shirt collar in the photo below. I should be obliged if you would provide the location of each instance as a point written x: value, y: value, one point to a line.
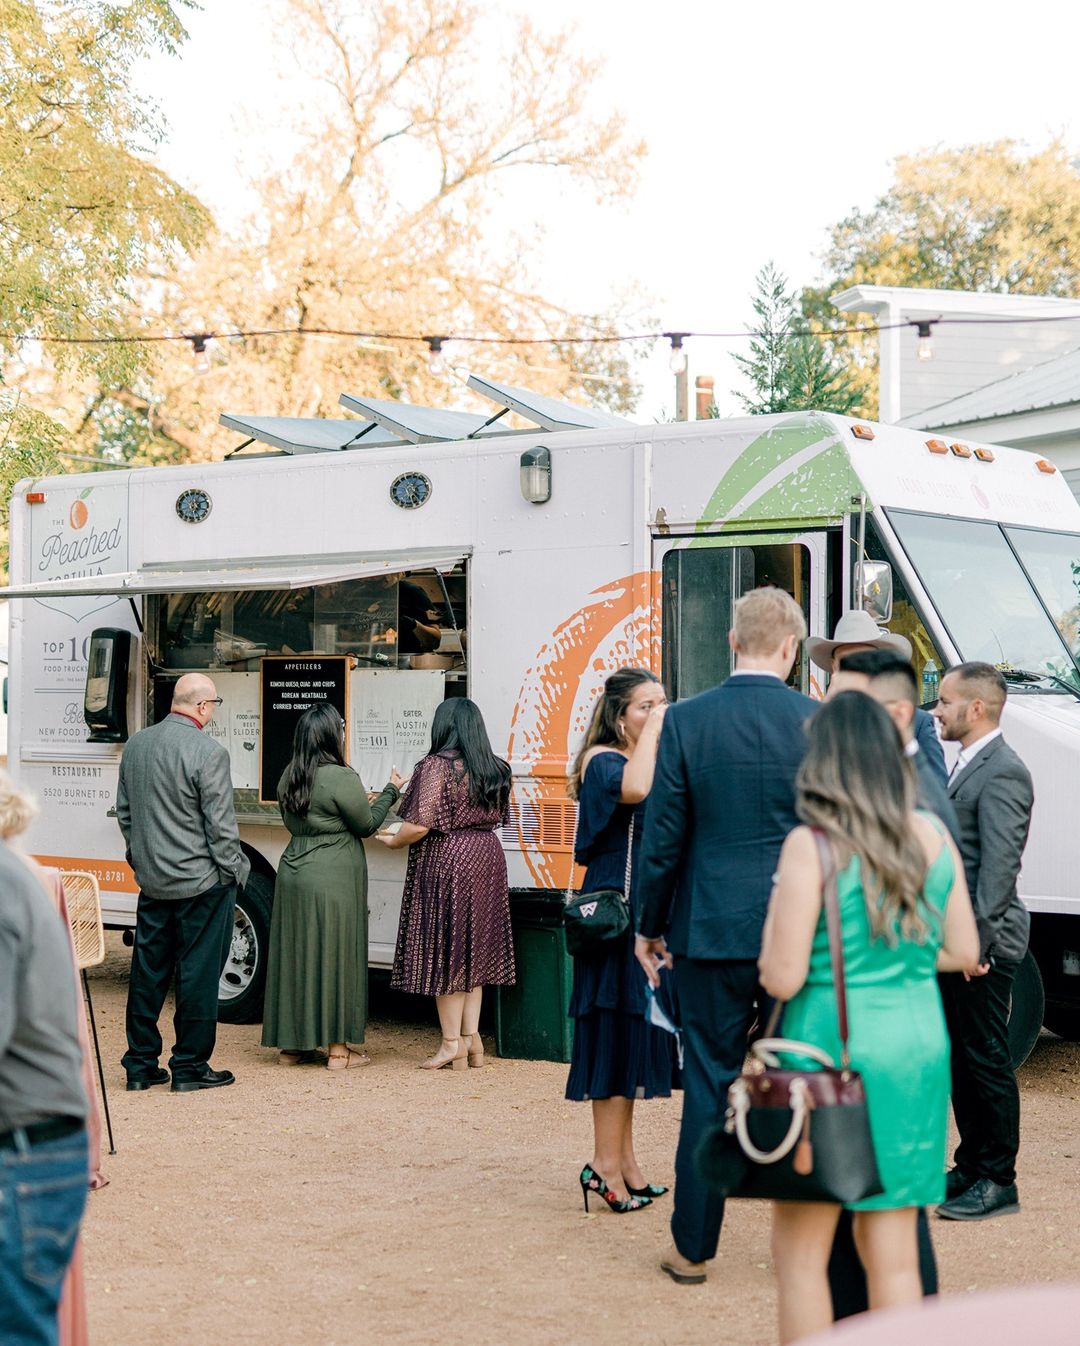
x: 757, y: 673
x: 968, y: 754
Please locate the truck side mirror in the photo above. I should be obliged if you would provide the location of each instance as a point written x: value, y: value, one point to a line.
x: 105, y: 701
x: 877, y: 590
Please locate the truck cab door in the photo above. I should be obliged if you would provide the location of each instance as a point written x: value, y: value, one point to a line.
x: 701, y: 579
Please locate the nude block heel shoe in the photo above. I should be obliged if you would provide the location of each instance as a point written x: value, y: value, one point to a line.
x: 452, y: 1053
x: 476, y: 1051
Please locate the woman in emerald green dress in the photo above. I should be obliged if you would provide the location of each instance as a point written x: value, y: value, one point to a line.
x: 316, y: 978
x: 905, y: 915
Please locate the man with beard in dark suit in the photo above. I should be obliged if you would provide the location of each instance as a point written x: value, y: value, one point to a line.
x: 991, y: 791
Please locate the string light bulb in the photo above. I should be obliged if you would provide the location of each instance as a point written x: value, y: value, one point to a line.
x: 677, y: 362
x: 436, y: 356
x: 925, y: 345
x: 201, y: 354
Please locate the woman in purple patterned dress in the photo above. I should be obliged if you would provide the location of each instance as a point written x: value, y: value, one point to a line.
x: 454, y: 934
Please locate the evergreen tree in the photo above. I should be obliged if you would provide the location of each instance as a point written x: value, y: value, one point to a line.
x: 790, y: 368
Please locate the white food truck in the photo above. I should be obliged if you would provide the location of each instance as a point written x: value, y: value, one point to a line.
x: 546, y: 557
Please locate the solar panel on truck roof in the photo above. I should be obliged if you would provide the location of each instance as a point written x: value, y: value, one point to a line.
x: 547, y: 412
x: 420, y: 425
x: 309, y: 434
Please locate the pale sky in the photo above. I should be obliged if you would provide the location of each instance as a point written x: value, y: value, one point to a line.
x: 765, y: 124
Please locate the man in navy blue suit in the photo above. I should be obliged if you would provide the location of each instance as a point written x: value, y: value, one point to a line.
x: 722, y: 802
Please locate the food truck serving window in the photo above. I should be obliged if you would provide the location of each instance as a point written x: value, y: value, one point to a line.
x: 385, y: 621
x: 984, y: 594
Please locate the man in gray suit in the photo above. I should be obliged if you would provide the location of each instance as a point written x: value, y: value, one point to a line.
x: 175, y: 807
x: 990, y: 789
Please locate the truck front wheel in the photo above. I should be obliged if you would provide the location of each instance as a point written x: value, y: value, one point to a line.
x: 1026, y: 1010
x: 240, y: 990
x: 1064, y: 1020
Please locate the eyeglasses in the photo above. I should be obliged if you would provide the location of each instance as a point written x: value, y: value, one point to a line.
x: 212, y: 701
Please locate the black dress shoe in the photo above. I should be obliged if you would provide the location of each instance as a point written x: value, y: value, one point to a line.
x: 956, y: 1181
x: 208, y: 1079
x: 136, y: 1082
x: 982, y: 1200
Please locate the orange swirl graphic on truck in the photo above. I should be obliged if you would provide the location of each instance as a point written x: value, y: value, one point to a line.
x: 617, y: 626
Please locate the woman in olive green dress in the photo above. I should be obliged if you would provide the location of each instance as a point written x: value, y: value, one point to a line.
x: 316, y: 979
x: 905, y: 915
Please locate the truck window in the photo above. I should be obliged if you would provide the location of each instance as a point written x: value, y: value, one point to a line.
x: 700, y: 588
x: 905, y: 621
x: 1052, y: 562
x: 983, y: 594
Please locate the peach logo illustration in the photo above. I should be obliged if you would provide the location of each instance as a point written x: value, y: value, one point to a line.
x: 78, y: 515
x: 618, y: 625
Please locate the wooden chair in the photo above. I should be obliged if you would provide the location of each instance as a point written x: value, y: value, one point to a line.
x: 83, y: 897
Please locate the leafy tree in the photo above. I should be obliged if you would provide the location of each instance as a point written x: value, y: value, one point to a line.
x: 81, y: 208
x: 789, y: 367
x: 381, y: 221
x: 991, y: 217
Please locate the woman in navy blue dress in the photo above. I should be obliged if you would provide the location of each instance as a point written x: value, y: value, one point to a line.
x: 617, y: 1057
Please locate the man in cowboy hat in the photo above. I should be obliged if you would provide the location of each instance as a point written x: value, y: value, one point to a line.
x: 858, y: 631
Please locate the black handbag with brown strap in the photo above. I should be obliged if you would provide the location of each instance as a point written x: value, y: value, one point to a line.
x: 797, y: 1134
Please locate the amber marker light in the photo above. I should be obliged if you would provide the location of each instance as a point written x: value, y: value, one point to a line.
x: 1044, y: 466
x: 984, y: 455
x: 35, y: 497
x: 961, y: 450
x: 862, y: 432
x: 937, y: 446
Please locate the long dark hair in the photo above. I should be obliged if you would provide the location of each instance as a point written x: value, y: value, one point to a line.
x: 857, y: 786
x: 317, y: 742
x: 457, y: 731
x: 608, y: 711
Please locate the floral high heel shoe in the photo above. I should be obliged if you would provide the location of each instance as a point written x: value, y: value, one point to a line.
x: 651, y: 1190
x: 591, y: 1181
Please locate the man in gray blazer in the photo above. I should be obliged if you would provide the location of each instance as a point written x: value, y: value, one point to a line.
x: 990, y: 789
x: 175, y: 807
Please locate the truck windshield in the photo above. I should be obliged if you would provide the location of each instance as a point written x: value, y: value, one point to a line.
x: 986, y: 596
x: 1052, y: 561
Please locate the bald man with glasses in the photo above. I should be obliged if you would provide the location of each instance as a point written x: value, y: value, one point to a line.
x: 174, y: 803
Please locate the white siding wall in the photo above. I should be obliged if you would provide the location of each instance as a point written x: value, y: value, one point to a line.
x: 969, y: 355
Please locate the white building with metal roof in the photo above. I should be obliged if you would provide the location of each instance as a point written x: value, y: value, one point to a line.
x: 1004, y: 368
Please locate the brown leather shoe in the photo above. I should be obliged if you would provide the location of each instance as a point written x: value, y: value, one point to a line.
x: 681, y: 1270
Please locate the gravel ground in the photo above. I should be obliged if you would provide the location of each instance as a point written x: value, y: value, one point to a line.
x: 394, y: 1205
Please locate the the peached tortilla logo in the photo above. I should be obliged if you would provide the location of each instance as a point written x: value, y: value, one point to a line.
x: 78, y: 550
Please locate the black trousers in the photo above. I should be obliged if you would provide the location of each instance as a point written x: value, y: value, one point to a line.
x: 191, y: 937
x: 847, y: 1279
x: 986, y: 1100
x: 717, y: 1002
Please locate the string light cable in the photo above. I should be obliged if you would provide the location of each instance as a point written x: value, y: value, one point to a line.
x: 436, y: 344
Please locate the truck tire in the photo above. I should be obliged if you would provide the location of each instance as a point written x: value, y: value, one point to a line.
x: 1026, y: 1010
x: 240, y: 991
x: 1064, y: 1020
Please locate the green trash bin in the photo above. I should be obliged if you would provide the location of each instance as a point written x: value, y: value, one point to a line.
x: 531, y: 1021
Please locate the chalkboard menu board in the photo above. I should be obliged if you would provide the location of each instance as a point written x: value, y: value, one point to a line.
x: 291, y: 684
